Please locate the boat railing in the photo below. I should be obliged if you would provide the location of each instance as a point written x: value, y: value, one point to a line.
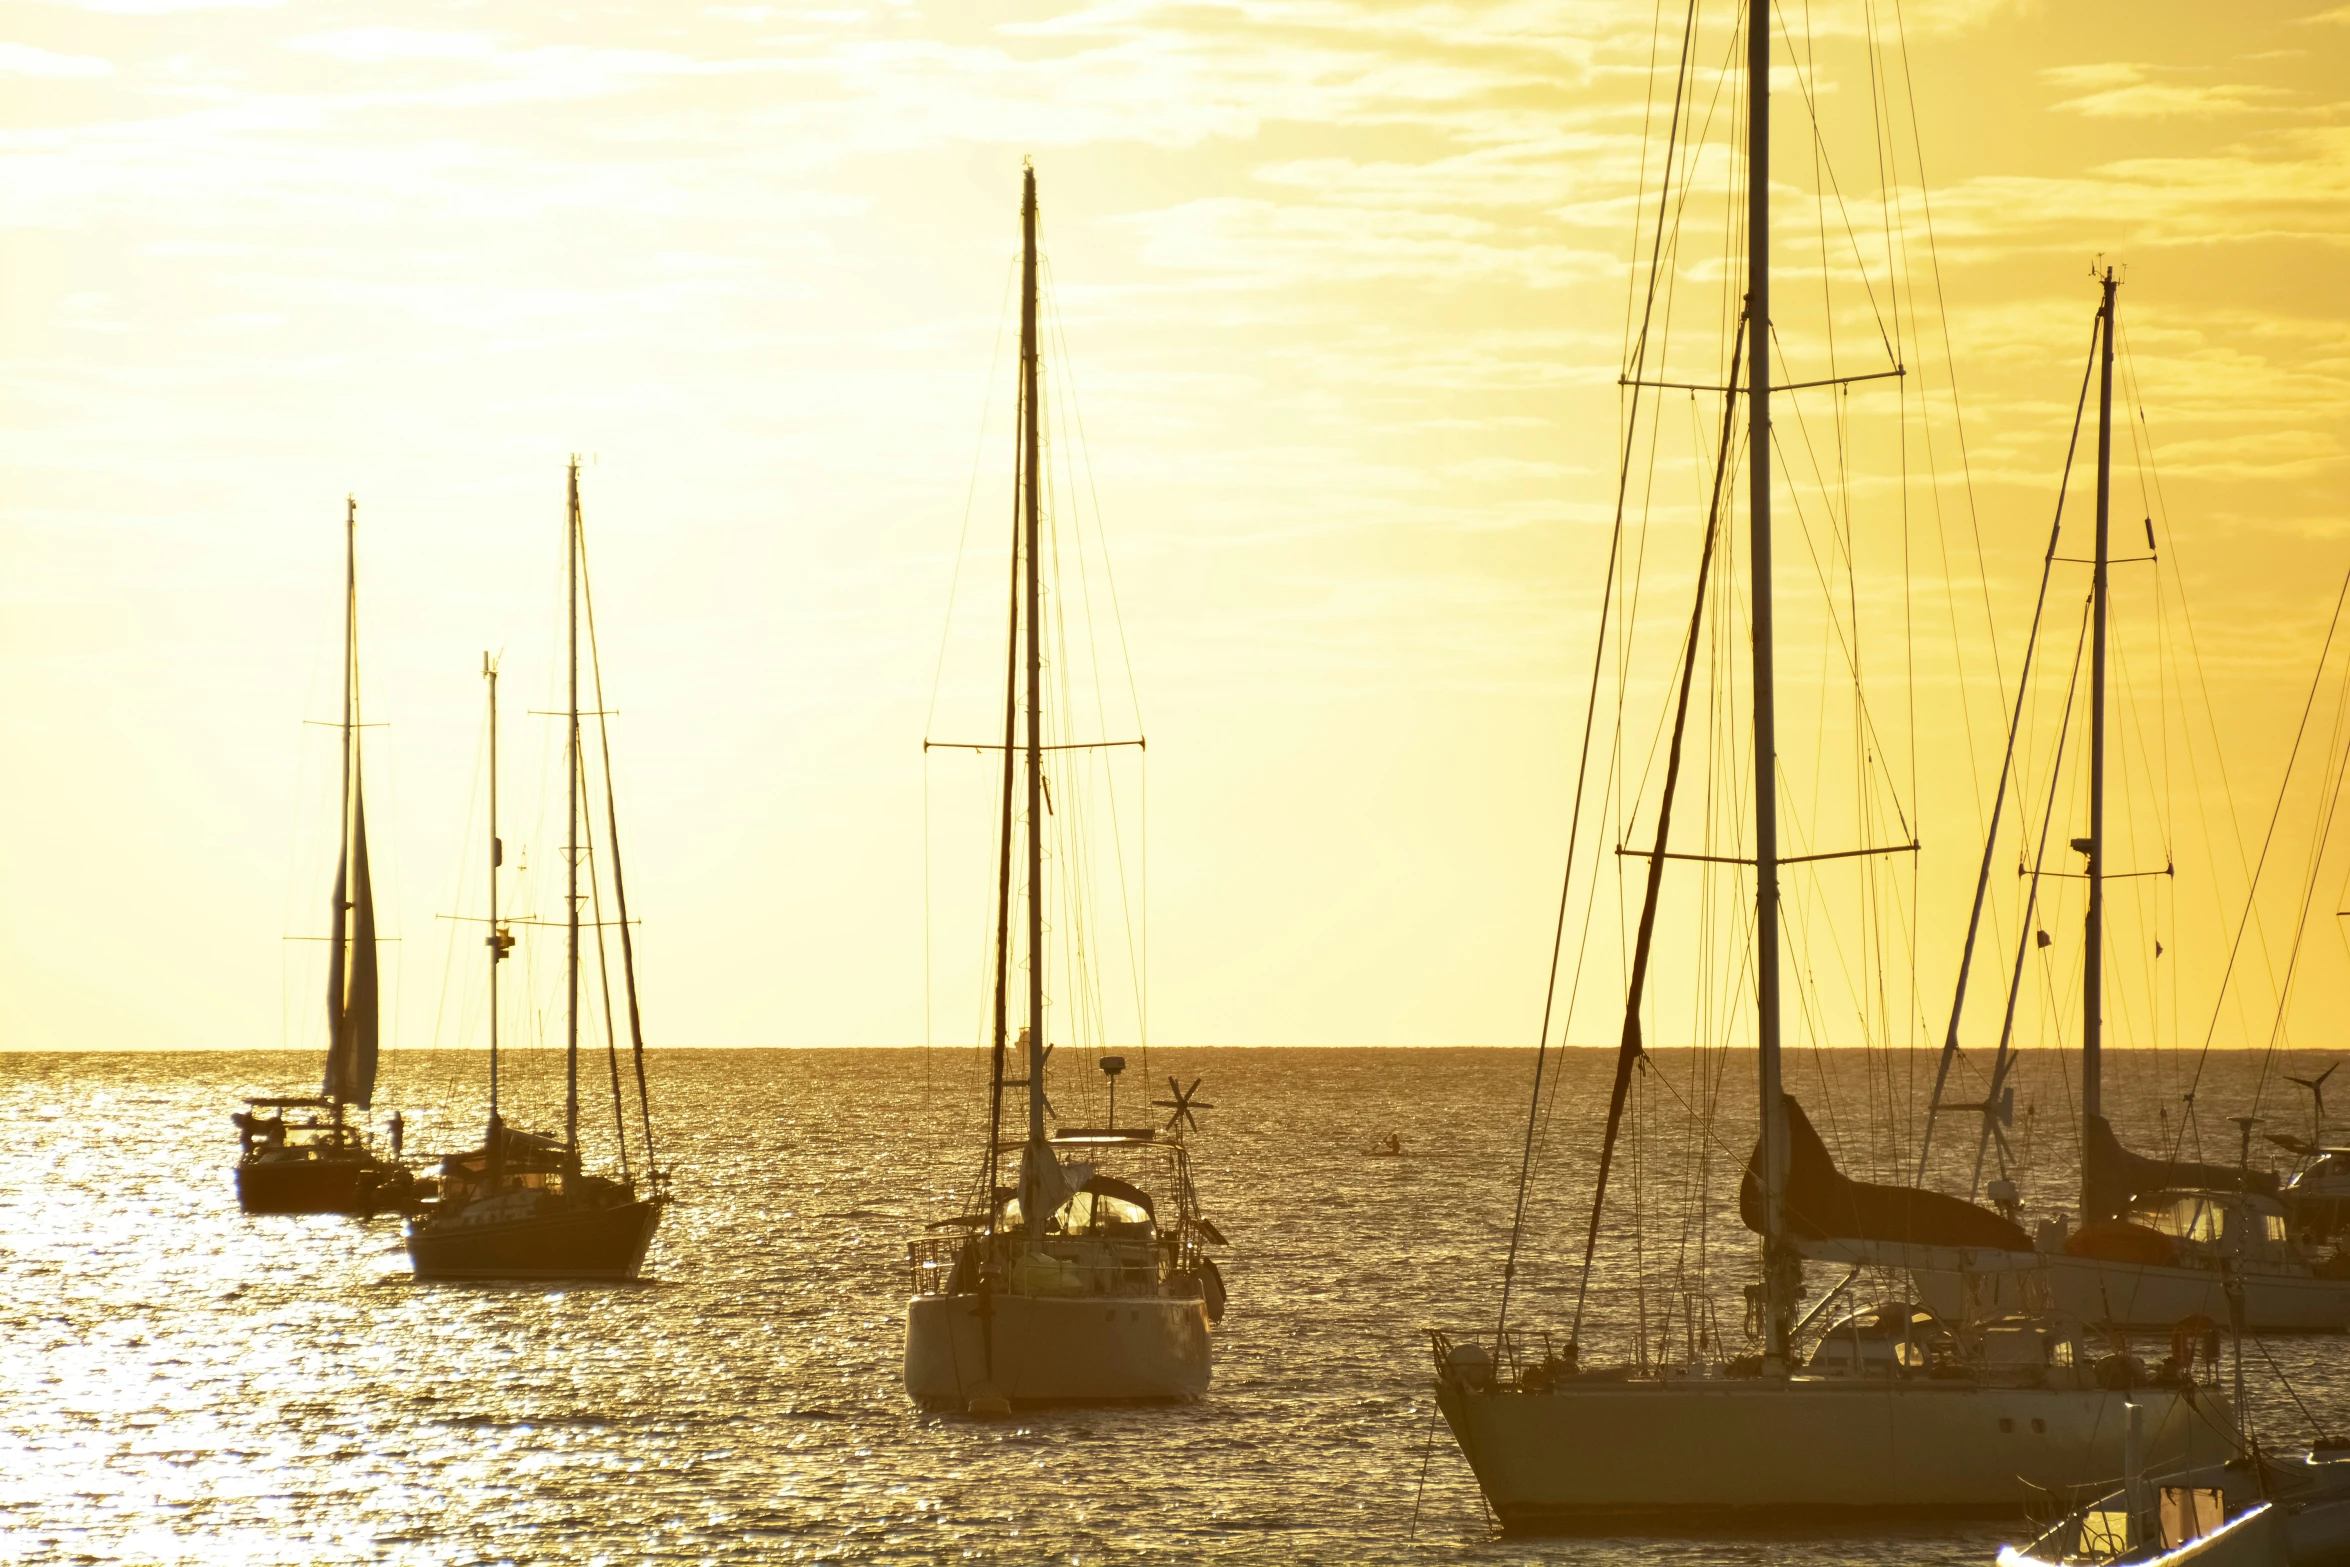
x: 1073, y: 1265
x: 1520, y: 1361
x: 931, y: 1261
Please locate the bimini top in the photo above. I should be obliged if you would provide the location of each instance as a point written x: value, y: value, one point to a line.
x: 1128, y: 1135
x: 1099, y: 1137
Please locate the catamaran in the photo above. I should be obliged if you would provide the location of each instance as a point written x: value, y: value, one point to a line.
x: 1085, y: 1277
x: 1893, y: 1411
x: 523, y: 1205
x: 320, y: 1162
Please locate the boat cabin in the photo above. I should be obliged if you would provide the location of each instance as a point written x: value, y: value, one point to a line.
x: 1893, y: 1340
x: 272, y: 1136
x: 1125, y: 1221
x: 2231, y: 1222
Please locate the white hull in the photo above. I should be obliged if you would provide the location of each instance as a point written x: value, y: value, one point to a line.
x: 1698, y: 1454
x: 1055, y: 1350
x: 2149, y: 1298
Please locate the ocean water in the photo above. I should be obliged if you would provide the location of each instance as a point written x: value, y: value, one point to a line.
x: 182, y: 1383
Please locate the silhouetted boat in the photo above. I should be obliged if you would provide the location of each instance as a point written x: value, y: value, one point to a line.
x: 520, y: 1206
x: 1894, y: 1412
x: 322, y: 1163
x: 1085, y: 1280
x: 2159, y: 1240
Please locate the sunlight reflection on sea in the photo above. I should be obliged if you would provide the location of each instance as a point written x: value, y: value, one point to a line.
x: 185, y: 1384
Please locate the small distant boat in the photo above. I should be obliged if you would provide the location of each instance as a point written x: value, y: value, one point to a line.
x: 520, y: 1206
x: 1388, y: 1147
x: 1082, y: 1274
x: 322, y: 1163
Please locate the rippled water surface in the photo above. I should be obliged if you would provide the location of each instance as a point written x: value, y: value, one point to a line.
x: 185, y: 1384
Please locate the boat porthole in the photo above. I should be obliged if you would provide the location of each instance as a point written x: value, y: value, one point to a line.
x: 2006, y: 1425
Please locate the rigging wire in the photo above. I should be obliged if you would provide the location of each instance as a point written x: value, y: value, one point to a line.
x: 636, y: 1033
x: 2006, y: 767
x: 1891, y: 921
x: 2268, y: 839
x: 1591, y: 704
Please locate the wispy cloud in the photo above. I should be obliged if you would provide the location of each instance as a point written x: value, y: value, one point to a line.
x: 2121, y: 91
x: 366, y: 45
x: 25, y: 60
x: 165, y: 7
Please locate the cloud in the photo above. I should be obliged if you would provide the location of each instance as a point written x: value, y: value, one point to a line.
x: 2124, y: 91
x: 166, y: 7
x: 25, y: 60
x: 368, y: 45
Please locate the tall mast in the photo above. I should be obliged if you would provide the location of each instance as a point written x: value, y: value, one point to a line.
x: 1779, y: 1269
x: 571, y: 832
x: 341, y: 1043
x: 489, y: 673
x: 2093, y: 946
x: 1030, y: 444
x: 350, y: 650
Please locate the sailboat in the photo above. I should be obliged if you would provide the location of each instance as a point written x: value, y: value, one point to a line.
x: 1086, y: 1278
x: 1894, y: 1413
x: 522, y: 1205
x: 2254, y: 1510
x: 322, y: 1162
x: 2160, y: 1240
x: 2262, y: 1510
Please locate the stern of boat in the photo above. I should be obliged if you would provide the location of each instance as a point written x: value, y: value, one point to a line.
x: 1027, y: 1349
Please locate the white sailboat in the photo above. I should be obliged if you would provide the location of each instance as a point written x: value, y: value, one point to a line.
x: 2159, y: 1241
x: 1891, y: 1414
x: 1084, y: 1279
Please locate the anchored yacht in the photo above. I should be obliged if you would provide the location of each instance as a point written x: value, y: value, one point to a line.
x: 1081, y: 1271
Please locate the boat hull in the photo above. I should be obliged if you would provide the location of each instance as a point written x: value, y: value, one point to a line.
x: 1031, y: 1349
x: 2151, y: 1298
x: 1699, y: 1455
x: 359, y: 1186
x: 569, y: 1243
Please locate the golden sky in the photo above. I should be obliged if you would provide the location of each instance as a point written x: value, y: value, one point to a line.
x: 1344, y: 291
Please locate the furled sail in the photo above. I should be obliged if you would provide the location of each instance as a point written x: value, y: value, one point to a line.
x: 1823, y: 1203
x: 2118, y: 1177
x: 351, y: 977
